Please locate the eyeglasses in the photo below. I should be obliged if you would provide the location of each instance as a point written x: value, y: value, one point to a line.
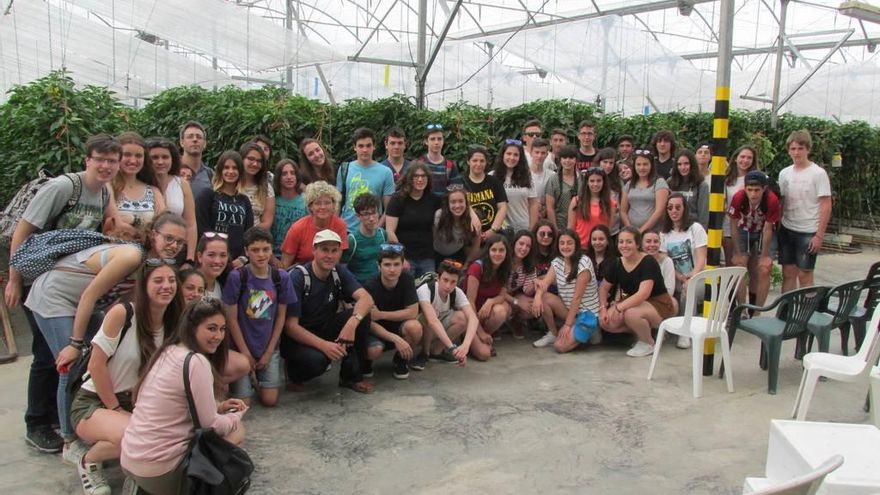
x: 533, y: 134
x: 211, y: 235
x: 395, y: 248
x: 455, y: 265
x: 434, y: 126
x: 170, y: 239
x: 368, y: 213
x: 160, y: 261
x: 513, y: 141
x: 104, y: 161
x: 420, y: 176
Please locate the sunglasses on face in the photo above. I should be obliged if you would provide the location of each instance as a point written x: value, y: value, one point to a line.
x: 533, y: 134
x: 513, y: 141
x: 153, y: 262
x: 544, y: 233
x: 389, y: 247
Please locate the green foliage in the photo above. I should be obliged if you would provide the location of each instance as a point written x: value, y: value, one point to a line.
x: 47, y: 121
x: 46, y: 124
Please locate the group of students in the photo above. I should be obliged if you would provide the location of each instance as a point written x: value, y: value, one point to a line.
x: 314, y: 264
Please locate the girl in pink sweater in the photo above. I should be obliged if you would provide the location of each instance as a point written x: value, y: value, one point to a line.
x: 160, y: 428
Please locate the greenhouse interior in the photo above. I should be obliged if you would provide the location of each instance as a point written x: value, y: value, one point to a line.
x: 629, y: 56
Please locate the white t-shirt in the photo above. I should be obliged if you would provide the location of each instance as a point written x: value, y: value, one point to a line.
x: 423, y: 292
x: 729, y: 191
x: 124, y: 366
x: 667, y: 269
x: 681, y: 246
x: 590, y: 299
x: 801, y: 190
x: 539, y: 183
x: 518, y: 204
x: 549, y: 162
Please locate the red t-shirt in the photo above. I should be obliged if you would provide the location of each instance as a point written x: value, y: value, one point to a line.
x: 487, y: 288
x: 754, y: 218
x: 583, y: 227
x: 298, y: 240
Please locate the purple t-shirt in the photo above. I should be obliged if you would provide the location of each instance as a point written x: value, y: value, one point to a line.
x: 258, y: 306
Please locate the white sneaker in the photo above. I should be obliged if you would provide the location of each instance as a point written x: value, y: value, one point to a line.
x: 641, y: 349
x: 683, y: 342
x: 92, y: 477
x: 73, y: 452
x: 547, y: 339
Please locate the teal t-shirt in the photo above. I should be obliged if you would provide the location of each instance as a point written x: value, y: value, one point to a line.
x: 287, y: 212
x: 375, y: 179
x: 363, y: 253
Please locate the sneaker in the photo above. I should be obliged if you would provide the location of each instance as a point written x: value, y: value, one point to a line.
x: 641, y: 349
x: 45, y: 440
x: 401, y: 368
x: 367, y: 369
x: 74, y: 451
x: 92, y: 477
x: 445, y: 356
x: 419, y: 362
x: 547, y: 339
x: 129, y: 487
x: 683, y: 343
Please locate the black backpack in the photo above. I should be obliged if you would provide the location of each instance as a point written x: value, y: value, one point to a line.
x: 336, y: 290
x: 243, y: 277
x: 78, y: 372
x: 430, y: 279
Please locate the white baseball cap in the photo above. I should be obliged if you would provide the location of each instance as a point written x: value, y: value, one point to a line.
x: 326, y: 235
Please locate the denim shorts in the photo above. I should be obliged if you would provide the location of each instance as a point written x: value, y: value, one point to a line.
x: 268, y: 377
x: 751, y: 243
x: 794, y: 248
x: 394, y: 327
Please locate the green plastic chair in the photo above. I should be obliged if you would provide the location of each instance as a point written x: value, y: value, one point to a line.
x: 827, y: 318
x: 859, y: 316
x: 793, y: 311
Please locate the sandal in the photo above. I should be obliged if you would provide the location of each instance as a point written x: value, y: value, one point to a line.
x: 361, y: 387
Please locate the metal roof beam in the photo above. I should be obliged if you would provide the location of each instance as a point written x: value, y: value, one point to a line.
x: 822, y: 45
x: 628, y: 10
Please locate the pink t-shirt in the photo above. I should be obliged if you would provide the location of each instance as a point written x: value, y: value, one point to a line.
x: 298, y: 241
x: 583, y: 227
x: 161, y: 427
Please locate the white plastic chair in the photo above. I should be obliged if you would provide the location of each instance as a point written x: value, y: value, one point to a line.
x: 806, y: 484
x: 875, y: 396
x: 841, y: 368
x: 724, y: 283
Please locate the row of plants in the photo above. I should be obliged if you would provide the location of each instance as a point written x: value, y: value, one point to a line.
x: 46, y: 122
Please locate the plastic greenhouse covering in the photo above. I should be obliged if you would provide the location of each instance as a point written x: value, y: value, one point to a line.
x: 632, y: 56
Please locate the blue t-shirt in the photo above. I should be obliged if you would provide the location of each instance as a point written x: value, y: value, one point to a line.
x: 374, y: 179
x: 258, y: 306
x: 319, y: 307
x: 362, y: 253
x: 443, y: 174
x: 287, y: 212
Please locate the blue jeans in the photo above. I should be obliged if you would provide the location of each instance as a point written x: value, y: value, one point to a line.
x: 421, y: 267
x: 42, y: 412
x: 57, y: 332
x: 269, y: 377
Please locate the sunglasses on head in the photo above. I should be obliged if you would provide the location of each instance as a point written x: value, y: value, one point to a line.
x: 455, y: 265
x: 642, y: 152
x: 211, y: 235
x: 153, y: 262
x: 390, y: 247
x: 455, y: 187
x: 513, y: 141
x: 434, y: 126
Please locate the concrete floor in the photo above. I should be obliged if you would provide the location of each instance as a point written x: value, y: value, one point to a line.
x: 528, y: 421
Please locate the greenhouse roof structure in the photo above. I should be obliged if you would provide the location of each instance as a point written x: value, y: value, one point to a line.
x: 630, y: 56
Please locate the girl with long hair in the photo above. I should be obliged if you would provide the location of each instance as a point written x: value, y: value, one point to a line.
x: 687, y: 180
x: 255, y: 184
x: 642, y: 301
x: 290, y: 204
x: 192, y: 285
x: 485, y: 193
x: 154, y: 461
x: 743, y: 161
x: 594, y: 205
x: 512, y: 169
x: 685, y: 242
x: 521, y: 283
x: 223, y: 208
x: 601, y: 250
x: 314, y: 163
x: 486, y: 286
x: 165, y: 160
x: 562, y: 188
x: 644, y: 198
x: 454, y: 237
x: 135, y: 189
x: 651, y: 246
x: 575, y: 280
x: 409, y: 219
x: 545, y: 236
x: 102, y: 408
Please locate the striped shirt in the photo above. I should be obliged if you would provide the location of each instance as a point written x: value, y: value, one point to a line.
x: 590, y: 299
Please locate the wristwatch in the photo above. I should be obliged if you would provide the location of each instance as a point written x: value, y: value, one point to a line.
x: 358, y: 316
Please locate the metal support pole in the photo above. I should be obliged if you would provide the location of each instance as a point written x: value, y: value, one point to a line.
x: 777, y: 73
x: 288, y: 24
x: 719, y: 161
x: 421, y: 52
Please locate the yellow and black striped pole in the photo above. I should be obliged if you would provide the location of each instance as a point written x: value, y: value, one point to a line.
x: 720, y: 129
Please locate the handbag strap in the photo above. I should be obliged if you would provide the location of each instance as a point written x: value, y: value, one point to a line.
x: 188, y: 390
